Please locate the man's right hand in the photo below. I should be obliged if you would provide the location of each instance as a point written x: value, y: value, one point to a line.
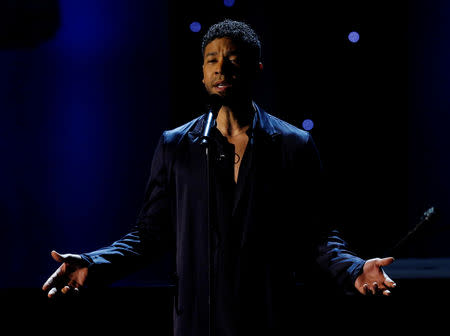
x: 70, y: 276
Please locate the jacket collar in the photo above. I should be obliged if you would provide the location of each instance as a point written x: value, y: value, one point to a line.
x: 262, y: 125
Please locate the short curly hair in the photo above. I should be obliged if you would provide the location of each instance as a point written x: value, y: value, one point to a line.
x: 239, y: 32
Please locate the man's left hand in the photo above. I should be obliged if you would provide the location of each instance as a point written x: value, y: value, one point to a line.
x: 373, y: 280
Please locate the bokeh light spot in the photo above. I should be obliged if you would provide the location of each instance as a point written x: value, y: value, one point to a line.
x: 353, y: 37
x: 307, y: 124
x: 195, y: 26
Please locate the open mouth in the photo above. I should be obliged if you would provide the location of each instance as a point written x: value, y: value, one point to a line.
x: 222, y: 86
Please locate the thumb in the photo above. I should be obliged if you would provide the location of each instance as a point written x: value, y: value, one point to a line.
x: 385, y: 261
x: 58, y: 257
x: 68, y: 258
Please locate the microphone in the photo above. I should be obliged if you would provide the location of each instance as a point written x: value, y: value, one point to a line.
x: 214, y: 105
x: 428, y: 216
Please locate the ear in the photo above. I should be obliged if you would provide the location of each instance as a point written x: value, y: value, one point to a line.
x: 258, y: 70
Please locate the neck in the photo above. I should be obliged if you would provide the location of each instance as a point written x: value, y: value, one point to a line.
x: 232, y: 121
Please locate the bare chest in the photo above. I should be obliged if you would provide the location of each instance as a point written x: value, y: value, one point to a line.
x: 240, y: 144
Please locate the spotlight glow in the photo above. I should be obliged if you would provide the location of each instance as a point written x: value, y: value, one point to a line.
x: 228, y: 3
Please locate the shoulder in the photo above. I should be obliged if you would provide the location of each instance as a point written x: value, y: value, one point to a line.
x: 297, y: 145
x: 288, y: 132
x: 176, y: 135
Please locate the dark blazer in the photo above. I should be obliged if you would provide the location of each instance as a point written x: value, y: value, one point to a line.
x: 281, y: 238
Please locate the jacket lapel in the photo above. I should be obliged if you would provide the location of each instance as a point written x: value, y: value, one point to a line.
x: 265, y: 168
x: 195, y: 133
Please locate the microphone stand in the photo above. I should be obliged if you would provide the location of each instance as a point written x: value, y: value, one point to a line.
x: 208, y: 145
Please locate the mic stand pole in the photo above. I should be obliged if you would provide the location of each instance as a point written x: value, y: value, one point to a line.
x: 207, y: 144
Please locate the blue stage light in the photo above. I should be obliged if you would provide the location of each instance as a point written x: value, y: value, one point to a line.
x: 307, y: 124
x: 353, y: 37
x: 228, y: 3
x: 195, y: 26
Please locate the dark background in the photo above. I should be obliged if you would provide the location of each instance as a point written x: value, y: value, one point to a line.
x: 87, y: 87
x: 356, y: 94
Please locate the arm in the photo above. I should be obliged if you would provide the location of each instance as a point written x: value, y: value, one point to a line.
x: 150, y: 236
x: 338, y: 261
x: 350, y: 272
x: 148, y: 239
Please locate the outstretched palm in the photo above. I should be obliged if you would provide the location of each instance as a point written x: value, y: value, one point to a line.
x: 71, y: 275
x: 373, y: 279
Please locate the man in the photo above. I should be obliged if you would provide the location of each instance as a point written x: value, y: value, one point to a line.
x: 266, y: 202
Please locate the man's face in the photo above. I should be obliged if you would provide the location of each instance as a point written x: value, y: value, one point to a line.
x: 225, y: 71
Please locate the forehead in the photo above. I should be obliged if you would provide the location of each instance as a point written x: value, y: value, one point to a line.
x: 219, y: 45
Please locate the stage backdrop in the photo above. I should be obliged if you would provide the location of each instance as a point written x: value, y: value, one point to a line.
x: 87, y: 87
x: 83, y: 101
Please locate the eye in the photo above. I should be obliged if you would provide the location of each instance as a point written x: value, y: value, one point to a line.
x: 212, y: 60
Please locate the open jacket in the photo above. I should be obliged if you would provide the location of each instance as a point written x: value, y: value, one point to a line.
x: 278, y: 236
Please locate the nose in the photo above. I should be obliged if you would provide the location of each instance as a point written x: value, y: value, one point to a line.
x: 223, y: 66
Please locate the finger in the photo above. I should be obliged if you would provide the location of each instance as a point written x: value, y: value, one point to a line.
x: 70, y: 290
x: 385, y: 261
x: 386, y: 292
x: 56, y: 275
x: 52, y: 279
x: 366, y: 289
x: 374, y: 288
x: 388, y: 282
x: 47, y: 284
x: 65, y: 289
x: 52, y: 292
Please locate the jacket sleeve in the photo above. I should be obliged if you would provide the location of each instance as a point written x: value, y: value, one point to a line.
x: 337, y: 260
x: 150, y: 237
x: 332, y: 253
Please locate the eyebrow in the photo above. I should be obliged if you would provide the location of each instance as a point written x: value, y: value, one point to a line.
x: 230, y: 53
